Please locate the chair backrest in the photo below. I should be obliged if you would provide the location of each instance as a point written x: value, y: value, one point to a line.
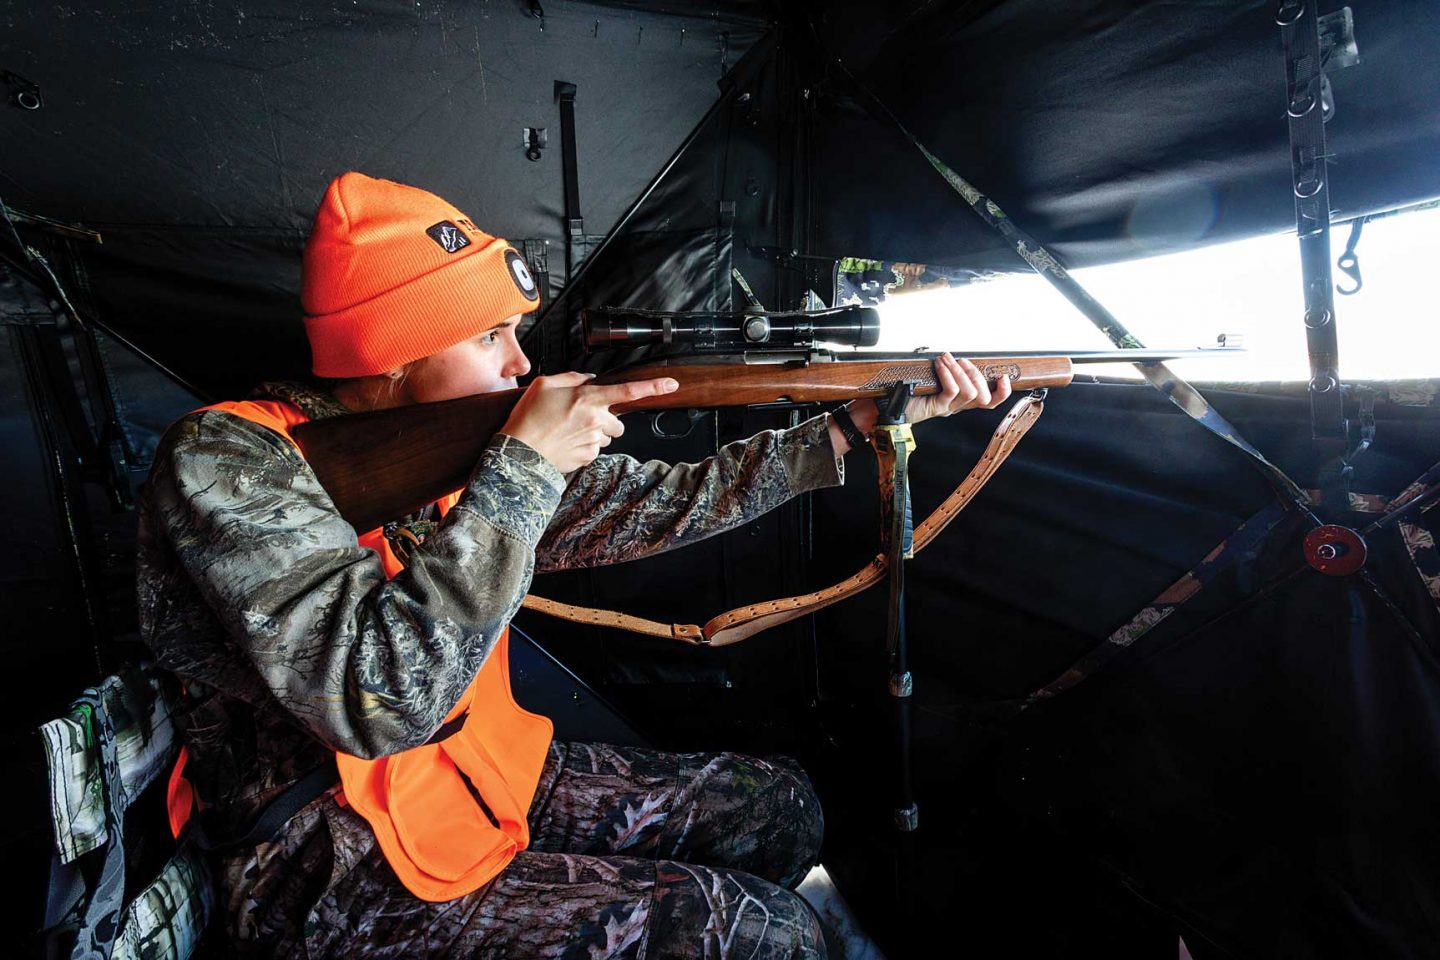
x: 116, y: 740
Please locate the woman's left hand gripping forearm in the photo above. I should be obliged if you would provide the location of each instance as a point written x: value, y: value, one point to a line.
x: 962, y: 387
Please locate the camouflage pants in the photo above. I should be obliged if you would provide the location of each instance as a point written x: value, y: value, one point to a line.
x: 634, y: 854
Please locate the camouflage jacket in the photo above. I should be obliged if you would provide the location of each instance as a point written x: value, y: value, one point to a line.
x: 291, y: 642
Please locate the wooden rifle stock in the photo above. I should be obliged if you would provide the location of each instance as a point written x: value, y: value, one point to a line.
x: 383, y: 465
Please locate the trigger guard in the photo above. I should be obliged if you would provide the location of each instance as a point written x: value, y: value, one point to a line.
x: 692, y: 417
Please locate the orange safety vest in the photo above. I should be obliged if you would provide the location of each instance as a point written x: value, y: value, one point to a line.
x: 440, y: 841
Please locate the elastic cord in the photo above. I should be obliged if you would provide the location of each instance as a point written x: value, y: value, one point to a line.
x: 852, y: 434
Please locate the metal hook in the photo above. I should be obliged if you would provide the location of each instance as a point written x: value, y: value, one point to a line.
x: 25, y: 94
x: 1349, y: 261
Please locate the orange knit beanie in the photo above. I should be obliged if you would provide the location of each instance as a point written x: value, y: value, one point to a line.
x: 393, y: 273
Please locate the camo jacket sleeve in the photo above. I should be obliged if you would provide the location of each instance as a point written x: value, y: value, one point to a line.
x: 369, y: 665
x: 618, y: 508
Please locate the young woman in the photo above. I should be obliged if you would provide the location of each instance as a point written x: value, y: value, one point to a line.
x: 312, y: 654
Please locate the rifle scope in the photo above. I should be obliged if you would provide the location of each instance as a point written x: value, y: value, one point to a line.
x: 606, y: 327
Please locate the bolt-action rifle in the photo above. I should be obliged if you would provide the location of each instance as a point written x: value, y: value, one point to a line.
x: 415, y: 454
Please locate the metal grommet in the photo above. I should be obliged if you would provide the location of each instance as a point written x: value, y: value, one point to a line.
x: 1289, y: 12
x: 532, y: 152
x: 1335, y: 551
x: 1301, y: 105
x: 1316, y: 317
x: 1308, y: 186
x: 1324, y: 383
x: 27, y: 100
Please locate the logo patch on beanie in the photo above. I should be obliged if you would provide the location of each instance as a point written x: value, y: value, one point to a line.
x: 449, y: 236
x: 520, y: 273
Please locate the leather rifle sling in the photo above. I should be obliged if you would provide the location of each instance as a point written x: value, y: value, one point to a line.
x: 742, y: 622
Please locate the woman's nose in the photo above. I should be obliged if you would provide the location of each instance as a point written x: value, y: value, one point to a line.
x: 518, y: 364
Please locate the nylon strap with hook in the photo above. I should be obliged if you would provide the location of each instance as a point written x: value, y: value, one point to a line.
x: 1305, y: 89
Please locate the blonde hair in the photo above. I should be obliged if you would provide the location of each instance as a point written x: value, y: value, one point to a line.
x: 369, y: 388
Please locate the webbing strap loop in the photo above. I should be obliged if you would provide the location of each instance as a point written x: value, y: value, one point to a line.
x: 574, y: 220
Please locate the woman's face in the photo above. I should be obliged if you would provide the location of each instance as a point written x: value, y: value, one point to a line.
x: 483, y: 364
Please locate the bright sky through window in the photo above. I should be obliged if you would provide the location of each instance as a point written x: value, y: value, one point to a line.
x: 1389, y: 330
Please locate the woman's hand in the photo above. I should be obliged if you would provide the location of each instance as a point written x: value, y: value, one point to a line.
x: 568, y: 421
x: 962, y: 387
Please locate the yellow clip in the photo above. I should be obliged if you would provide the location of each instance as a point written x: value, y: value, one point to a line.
x: 896, y: 435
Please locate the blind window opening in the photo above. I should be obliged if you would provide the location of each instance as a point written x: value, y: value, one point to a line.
x: 1389, y: 330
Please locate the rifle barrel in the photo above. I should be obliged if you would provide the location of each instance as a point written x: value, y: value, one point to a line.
x: 1079, y: 356
x: 705, y: 384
